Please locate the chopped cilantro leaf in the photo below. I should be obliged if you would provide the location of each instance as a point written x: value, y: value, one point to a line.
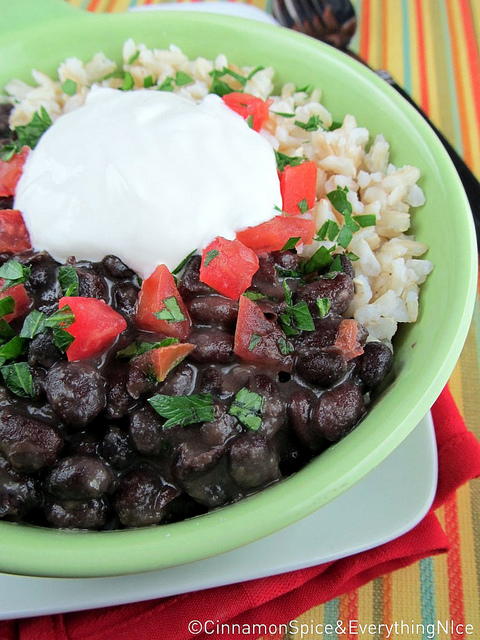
x: 323, y: 305
x: 249, y: 121
x: 218, y: 86
x: 211, y: 255
x: 313, y: 123
x: 339, y: 200
x: 8, y: 151
x: 11, y: 349
x: 336, y: 266
x: 128, y: 82
x: 303, y: 205
x: 335, y: 125
x: 6, y: 330
x: 283, y: 114
x: 180, y: 266
x: 183, y: 410
x: 297, y: 317
x: 345, y: 237
x: 352, y: 256
x: 254, y: 341
x: 366, y: 220
x: 138, y: 348
x: 29, y: 134
x: 33, y: 324
x: 62, y: 339
x: 285, y: 347
x: 253, y: 295
x: 284, y: 160
x: 182, y: 79
x: 254, y: 71
x: 291, y: 243
x: 148, y: 82
x: 320, y: 259
x: 306, y: 89
x: 7, y: 305
x: 13, y: 273
x: 18, y: 379
x: 133, y: 58
x: 61, y: 319
x: 69, y: 87
x: 167, y: 85
x: 68, y: 280
x: 233, y: 74
x: 247, y: 407
x: 171, y: 312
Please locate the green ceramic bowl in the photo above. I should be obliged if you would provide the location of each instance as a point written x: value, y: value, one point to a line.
x: 40, y: 34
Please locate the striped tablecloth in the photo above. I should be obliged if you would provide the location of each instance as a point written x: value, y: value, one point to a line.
x: 431, y: 47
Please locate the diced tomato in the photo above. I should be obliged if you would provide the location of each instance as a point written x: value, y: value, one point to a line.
x: 258, y: 339
x: 274, y: 234
x: 14, y: 236
x: 162, y: 360
x: 347, y: 339
x: 95, y: 327
x: 11, y: 171
x: 228, y: 267
x: 21, y: 298
x: 247, y: 105
x: 158, y: 292
x: 298, y: 186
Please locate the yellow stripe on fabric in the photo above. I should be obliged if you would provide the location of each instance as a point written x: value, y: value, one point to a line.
x: 365, y: 603
x: 455, y: 384
x: 469, y: 569
x: 406, y: 595
x: 376, y: 36
x: 118, y: 6
x: 76, y: 3
x: 394, y: 40
x: 475, y: 7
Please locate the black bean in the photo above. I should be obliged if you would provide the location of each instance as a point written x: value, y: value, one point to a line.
x: 325, y: 333
x: 6, y: 203
x: 253, y: 461
x: 74, y: 514
x: 18, y: 493
x: 211, y: 488
x: 119, y: 402
x: 83, y: 443
x: 124, y: 296
x: 339, y: 290
x: 116, y: 447
x: 299, y: 413
x: 142, y: 497
x: 27, y: 443
x: 115, y: 268
x: 219, y: 431
x: 180, y: 382
x: 42, y: 351
x: 213, y: 310
x: 209, y: 380
x: 375, y: 363
x: 322, y: 367
x: 347, y: 266
x: 338, y: 411
x: 91, y: 284
x: 80, y: 478
x: 146, y: 431
x: 5, y: 110
x: 266, y: 280
x: 138, y: 382
x: 76, y: 391
x: 287, y: 259
x: 212, y: 346
x: 190, y: 284
x: 194, y: 456
x: 42, y: 283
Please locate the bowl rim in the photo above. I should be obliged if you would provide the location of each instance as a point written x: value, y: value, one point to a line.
x: 39, y: 551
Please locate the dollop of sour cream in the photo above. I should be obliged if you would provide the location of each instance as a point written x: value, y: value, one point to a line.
x: 146, y: 175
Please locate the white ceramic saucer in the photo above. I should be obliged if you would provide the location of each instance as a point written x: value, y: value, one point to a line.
x: 388, y: 502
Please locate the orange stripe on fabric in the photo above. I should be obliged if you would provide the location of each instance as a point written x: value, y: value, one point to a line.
x: 455, y: 579
x: 472, y: 51
x: 422, y: 61
x: 387, y: 603
x: 460, y: 84
x: 93, y: 5
x: 348, y: 610
x: 365, y: 30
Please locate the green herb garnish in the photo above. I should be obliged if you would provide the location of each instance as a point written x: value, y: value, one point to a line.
x: 180, y: 266
x: 183, y: 410
x: 11, y: 349
x: 283, y: 160
x: 218, y: 86
x: 167, y: 85
x: 254, y: 71
x: 13, y: 273
x: 323, y: 305
x: 128, y: 82
x: 29, y: 134
x: 339, y: 200
x: 8, y: 151
x: 6, y: 330
x: 306, y: 89
x: 62, y: 339
x: 69, y: 87
x: 285, y: 347
x: 313, y: 123
x: 182, y: 79
x: 366, y: 220
x: 345, y: 236
x: 134, y: 57
x: 303, y: 205
x: 139, y: 348
x: 297, y: 317
x: 7, y: 306
x: 352, y: 256
x: 211, y: 255
x: 148, y: 82
x: 291, y: 243
x: 335, y: 125
x: 18, y: 379
x: 253, y: 295
x: 283, y: 114
x: 36, y: 322
x: 254, y: 341
x: 247, y: 407
x: 249, y: 121
x: 171, y: 312
x: 68, y: 280
x: 321, y: 258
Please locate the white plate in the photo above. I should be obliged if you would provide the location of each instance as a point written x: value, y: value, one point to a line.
x: 388, y: 502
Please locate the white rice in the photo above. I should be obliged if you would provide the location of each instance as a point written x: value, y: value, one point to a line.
x: 388, y: 272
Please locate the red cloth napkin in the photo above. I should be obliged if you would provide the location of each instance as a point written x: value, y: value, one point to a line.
x: 277, y: 599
